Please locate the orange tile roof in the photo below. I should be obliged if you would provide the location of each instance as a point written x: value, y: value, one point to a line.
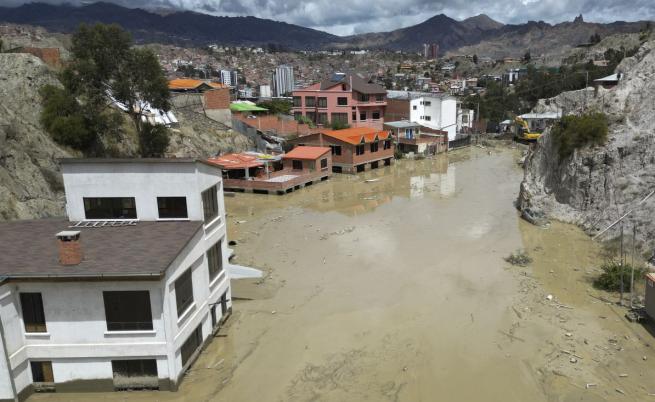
x: 188, y: 83
x: 354, y: 135
x: 306, y: 152
x: 235, y: 161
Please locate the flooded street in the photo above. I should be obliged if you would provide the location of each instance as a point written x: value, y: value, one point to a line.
x: 396, y: 290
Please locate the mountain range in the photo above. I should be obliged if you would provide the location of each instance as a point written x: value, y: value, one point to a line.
x: 192, y: 28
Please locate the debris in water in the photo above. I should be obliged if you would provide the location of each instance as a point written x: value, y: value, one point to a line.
x: 240, y: 222
x: 371, y: 180
x: 590, y: 385
x: 549, y: 297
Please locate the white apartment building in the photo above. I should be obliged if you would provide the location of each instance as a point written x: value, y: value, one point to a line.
x: 124, y: 293
x: 229, y: 78
x: 283, y: 81
x: 435, y: 112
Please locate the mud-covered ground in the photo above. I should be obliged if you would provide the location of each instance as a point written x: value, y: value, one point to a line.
x: 396, y: 290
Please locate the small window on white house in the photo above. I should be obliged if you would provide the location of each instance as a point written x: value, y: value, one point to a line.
x: 210, y: 203
x: 184, y: 292
x: 128, y: 310
x: 33, y: 315
x: 172, y: 207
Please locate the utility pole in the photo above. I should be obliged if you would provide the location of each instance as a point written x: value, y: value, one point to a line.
x: 632, y: 265
x: 621, y: 266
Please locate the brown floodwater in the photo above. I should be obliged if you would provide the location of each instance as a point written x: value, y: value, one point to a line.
x: 394, y: 290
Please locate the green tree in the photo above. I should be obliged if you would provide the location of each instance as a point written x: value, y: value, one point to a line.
x: 63, y: 119
x: 154, y: 141
x: 105, y: 63
x: 276, y: 106
x: 574, y: 132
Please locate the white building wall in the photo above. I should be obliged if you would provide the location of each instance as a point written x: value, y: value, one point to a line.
x: 441, y: 110
x: 144, y: 181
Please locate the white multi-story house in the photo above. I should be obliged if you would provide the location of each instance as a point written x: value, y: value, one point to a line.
x: 123, y: 293
x: 435, y: 112
x: 465, y: 119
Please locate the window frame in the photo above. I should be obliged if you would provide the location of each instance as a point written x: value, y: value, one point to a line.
x: 114, y: 326
x: 210, y: 214
x: 38, y: 324
x: 297, y: 101
x: 374, y: 113
x: 363, y: 114
x: 185, y: 278
x: 294, y: 164
x: 360, y: 149
x: 336, y: 149
x: 215, y: 252
x: 375, y: 146
x: 341, y: 100
x: 310, y: 101
x: 159, y: 207
x: 112, y: 210
x: 324, y: 164
x: 195, y: 339
x: 321, y: 102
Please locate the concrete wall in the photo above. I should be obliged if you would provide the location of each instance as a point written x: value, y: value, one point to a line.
x: 143, y: 181
x: 650, y: 296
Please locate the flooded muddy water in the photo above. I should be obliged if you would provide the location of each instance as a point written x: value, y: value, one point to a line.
x: 396, y: 289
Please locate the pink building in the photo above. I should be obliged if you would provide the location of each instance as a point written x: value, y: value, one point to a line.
x: 348, y: 99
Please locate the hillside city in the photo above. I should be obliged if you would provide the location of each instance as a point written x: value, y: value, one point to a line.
x: 288, y: 214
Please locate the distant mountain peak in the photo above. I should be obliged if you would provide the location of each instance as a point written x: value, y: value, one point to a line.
x: 482, y: 22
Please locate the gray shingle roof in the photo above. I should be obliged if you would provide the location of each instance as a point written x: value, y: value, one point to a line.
x: 30, y: 249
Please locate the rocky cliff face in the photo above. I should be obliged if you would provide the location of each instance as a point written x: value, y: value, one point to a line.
x: 30, y: 185
x: 596, y: 186
x: 30, y: 181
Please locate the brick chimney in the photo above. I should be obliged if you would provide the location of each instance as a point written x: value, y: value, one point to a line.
x: 70, y: 248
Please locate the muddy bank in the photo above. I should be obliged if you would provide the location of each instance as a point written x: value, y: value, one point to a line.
x: 396, y: 290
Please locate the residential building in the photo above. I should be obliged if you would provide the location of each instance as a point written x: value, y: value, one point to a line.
x: 264, y: 91
x: 345, y: 99
x: 277, y: 174
x: 229, y: 78
x: 282, y: 80
x: 430, y: 50
x: 125, y: 292
x: 353, y: 149
x: 412, y: 138
x: 430, y: 110
x: 465, y: 119
x: 193, y: 85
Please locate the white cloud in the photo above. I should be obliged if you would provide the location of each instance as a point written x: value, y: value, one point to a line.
x: 346, y: 17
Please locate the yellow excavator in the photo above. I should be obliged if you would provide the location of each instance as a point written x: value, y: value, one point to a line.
x: 522, y: 131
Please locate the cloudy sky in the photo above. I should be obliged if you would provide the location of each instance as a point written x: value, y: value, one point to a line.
x: 345, y: 17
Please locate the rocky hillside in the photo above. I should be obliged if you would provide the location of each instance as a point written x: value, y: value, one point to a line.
x: 596, y: 186
x: 30, y: 181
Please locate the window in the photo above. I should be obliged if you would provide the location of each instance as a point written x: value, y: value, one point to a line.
x: 215, y: 260
x: 376, y: 115
x: 379, y: 98
x: 172, y: 207
x: 110, y: 208
x: 336, y: 149
x: 322, y: 118
x: 297, y: 101
x: 42, y: 372
x: 128, y: 310
x: 296, y: 165
x: 310, y: 101
x: 465, y: 119
x: 340, y: 117
x: 362, y: 115
x: 132, y: 374
x: 387, y: 144
x: 33, y: 315
x: 311, y: 116
x: 428, y: 118
x: 427, y: 103
x: 359, y: 149
x: 354, y: 116
x: 364, y: 98
x: 190, y: 346
x: 322, y: 102
x: 324, y: 163
x: 184, y: 292
x: 210, y: 203
x: 342, y: 101
x: 374, y: 146
x: 413, y: 107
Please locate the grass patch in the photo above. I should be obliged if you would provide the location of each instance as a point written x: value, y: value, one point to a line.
x: 610, y: 278
x: 519, y: 258
x: 574, y: 132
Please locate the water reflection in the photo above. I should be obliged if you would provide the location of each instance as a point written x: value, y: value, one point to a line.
x: 359, y: 194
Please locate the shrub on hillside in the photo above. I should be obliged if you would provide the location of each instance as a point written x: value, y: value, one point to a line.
x: 574, y: 132
x: 610, y: 279
x: 63, y: 119
x: 153, y: 140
